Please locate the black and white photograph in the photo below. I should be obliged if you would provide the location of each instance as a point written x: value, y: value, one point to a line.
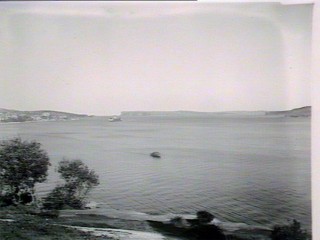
x: 155, y: 120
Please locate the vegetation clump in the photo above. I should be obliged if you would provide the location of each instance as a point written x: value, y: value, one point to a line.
x: 292, y: 231
x: 25, y: 163
x: 79, y: 180
x: 22, y: 165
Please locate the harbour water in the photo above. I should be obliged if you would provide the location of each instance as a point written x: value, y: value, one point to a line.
x: 253, y: 170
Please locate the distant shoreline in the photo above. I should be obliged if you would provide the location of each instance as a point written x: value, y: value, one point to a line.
x: 226, y: 115
x: 14, y: 116
x: 35, y: 121
x: 296, y: 112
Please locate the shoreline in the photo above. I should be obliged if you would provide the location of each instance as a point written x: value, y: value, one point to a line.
x: 91, y: 218
x: 120, y: 234
x: 41, y: 121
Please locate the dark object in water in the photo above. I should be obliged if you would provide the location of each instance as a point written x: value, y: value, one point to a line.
x: 155, y: 155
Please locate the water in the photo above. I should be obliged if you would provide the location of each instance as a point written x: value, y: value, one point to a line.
x: 253, y: 170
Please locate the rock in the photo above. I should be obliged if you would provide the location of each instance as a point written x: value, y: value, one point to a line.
x: 186, y: 231
x: 204, y: 217
x: 155, y: 155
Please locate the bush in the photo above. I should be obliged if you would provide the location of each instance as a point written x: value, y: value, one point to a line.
x: 7, y: 200
x: 49, y: 213
x: 55, y: 199
x: 292, y: 231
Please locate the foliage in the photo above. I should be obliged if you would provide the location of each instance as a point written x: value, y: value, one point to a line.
x: 55, y: 199
x: 79, y: 180
x: 292, y: 231
x: 78, y: 176
x: 22, y: 165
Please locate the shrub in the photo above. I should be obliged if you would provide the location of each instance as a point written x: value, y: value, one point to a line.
x: 292, y: 231
x: 55, y: 199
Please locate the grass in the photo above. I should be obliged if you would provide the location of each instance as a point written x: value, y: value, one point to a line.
x: 27, y: 225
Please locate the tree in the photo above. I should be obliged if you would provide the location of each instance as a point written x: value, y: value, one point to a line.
x: 79, y: 180
x: 22, y: 165
x: 292, y: 231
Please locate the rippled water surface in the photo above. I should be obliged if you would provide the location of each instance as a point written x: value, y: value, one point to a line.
x: 254, y: 170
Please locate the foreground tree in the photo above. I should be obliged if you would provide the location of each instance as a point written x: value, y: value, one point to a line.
x: 22, y: 165
x: 79, y: 180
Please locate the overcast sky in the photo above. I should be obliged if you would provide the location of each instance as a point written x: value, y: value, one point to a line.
x: 103, y: 58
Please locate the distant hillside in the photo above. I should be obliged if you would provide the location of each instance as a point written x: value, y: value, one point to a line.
x: 160, y: 113
x: 189, y: 113
x: 296, y: 112
x: 3, y: 110
x: 8, y: 115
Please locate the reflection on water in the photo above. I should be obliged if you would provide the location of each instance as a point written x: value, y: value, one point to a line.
x: 254, y: 170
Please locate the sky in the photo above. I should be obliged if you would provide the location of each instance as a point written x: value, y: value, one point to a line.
x: 103, y: 58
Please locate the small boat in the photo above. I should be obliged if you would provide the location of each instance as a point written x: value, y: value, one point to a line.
x: 114, y: 119
x: 155, y: 155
